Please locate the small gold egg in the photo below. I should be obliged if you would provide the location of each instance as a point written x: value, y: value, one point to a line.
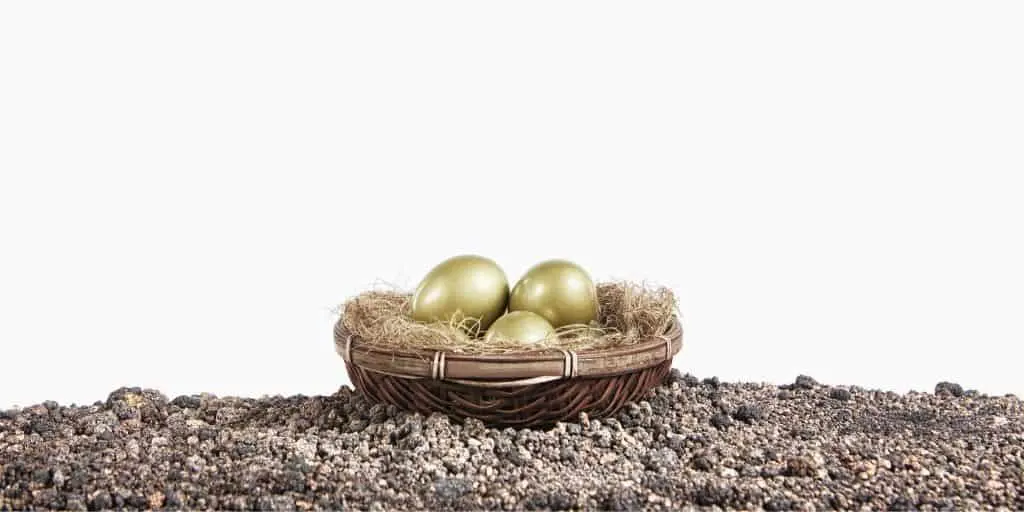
x: 521, y: 326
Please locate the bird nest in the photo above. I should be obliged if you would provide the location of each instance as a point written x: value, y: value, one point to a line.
x: 429, y: 368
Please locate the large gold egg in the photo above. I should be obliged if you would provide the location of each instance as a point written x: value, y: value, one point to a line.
x: 462, y: 287
x: 558, y: 290
x: 520, y: 326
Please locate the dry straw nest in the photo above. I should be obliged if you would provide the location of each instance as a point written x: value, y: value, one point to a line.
x: 438, y: 367
x: 629, y: 313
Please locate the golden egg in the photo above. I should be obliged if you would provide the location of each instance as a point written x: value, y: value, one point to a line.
x: 462, y: 287
x: 558, y: 290
x: 520, y: 326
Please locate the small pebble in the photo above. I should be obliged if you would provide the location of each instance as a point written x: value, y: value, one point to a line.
x: 949, y: 388
x: 805, y: 382
x: 748, y: 413
x: 721, y: 421
x: 840, y: 394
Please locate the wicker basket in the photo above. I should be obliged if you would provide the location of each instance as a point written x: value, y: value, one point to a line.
x: 513, y: 390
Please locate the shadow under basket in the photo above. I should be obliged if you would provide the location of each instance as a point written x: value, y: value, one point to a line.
x: 510, y: 390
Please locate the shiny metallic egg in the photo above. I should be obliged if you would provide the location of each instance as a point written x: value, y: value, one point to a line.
x: 521, y: 326
x: 560, y: 291
x: 461, y: 287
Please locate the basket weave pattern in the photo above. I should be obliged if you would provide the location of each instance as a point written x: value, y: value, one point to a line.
x: 512, y: 390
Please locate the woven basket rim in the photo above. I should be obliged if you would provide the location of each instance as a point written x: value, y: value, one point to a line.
x: 497, y: 370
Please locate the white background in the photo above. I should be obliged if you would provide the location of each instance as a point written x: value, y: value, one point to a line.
x: 189, y: 189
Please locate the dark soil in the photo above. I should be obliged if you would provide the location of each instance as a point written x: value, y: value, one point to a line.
x: 691, y: 444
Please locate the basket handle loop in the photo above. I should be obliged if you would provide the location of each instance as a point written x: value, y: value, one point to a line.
x: 347, y: 354
x: 668, y: 346
x: 438, y: 368
x: 570, y: 366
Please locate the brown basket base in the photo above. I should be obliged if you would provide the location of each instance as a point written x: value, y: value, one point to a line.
x: 533, y: 405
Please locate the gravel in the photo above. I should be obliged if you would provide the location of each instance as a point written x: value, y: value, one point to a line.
x: 691, y: 444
